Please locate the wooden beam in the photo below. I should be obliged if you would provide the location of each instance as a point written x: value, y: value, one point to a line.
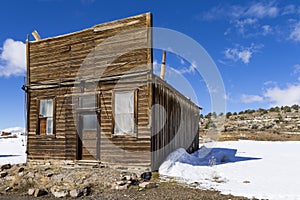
x: 163, y: 66
x: 27, y: 83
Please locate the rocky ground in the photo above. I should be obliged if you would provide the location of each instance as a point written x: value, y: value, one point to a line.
x: 52, y: 181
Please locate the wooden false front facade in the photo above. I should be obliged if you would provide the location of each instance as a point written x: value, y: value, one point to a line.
x: 76, y: 87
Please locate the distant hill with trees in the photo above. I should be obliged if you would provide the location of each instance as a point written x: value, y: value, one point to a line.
x: 275, y: 120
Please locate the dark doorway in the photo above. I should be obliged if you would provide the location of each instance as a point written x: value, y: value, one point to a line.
x: 89, y: 137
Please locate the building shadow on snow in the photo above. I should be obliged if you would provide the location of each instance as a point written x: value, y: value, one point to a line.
x: 4, y: 156
x: 214, y: 156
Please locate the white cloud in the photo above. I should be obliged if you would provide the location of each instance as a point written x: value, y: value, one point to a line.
x: 242, y: 24
x: 211, y: 89
x: 261, y: 10
x: 251, y: 98
x: 256, y: 10
x: 228, y: 98
x: 238, y: 54
x: 267, y: 29
x: 245, y: 56
x: 270, y: 83
x: 289, y: 9
x: 156, y: 67
x: 213, y: 14
x: 12, y: 58
x: 296, y: 69
x: 295, y: 34
x: 190, y: 70
x: 248, y: 19
x: 241, y: 53
x: 284, y: 96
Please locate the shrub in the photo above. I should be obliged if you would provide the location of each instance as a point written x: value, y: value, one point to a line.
x: 228, y: 114
x: 295, y: 107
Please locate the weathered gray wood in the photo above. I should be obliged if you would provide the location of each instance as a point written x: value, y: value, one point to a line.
x: 181, y: 118
x: 53, y: 67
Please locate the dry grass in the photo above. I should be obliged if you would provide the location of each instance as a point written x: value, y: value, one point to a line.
x: 250, y: 135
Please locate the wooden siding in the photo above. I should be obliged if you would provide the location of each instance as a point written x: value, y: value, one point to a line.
x: 174, y: 123
x: 100, y: 60
x: 105, y: 50
x: 106, y: 57
x: 134, y: 150
x: 62, y: 144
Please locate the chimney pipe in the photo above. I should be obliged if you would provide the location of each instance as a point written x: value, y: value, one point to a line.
x: 36, y: 35
x: 163, y: 66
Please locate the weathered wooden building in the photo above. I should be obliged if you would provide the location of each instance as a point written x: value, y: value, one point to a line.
x: 92, y: 95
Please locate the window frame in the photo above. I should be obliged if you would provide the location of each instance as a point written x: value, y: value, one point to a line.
x: 38, y: 130
x: 135, y: 113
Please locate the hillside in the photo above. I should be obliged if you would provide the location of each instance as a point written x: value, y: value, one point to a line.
x: 276, y: 122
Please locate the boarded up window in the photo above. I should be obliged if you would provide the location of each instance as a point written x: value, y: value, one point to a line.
x: 46, y: 117
x: 124, y: 113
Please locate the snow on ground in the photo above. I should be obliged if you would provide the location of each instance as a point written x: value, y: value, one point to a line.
x: 268, y: 170
x: 13, y: 150
x: 14, y: 130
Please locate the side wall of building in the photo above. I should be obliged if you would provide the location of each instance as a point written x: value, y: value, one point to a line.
x: 175, y: 122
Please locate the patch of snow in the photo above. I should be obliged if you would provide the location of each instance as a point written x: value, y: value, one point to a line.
x: 268, y: 170
x: 13, y: 150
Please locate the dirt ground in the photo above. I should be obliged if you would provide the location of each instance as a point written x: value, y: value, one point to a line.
x: 99, y: 180
x: 164, y: 191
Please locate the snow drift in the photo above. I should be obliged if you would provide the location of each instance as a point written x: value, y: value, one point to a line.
x: 13, y: 150
x: 267, y: 170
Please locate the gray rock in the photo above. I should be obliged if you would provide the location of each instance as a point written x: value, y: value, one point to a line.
x: 31, y: 191
x: 121, y: 182
x: 148, y: 185
x: 30, y: 181
x: 146, y: 176
x: 39, y: 192
x: 6, y: 166
x: 115, y: 186
x: 134, y: 177
x: 3, y: 174
x: 21, y: 169
x: 47, y: 168
x: 8, y: 189
x: 127, y: 178
x: 86, y: 190
x: 112, y: 186
x: 30, y: 175
x: 76, y: 193
x: 59, y: 193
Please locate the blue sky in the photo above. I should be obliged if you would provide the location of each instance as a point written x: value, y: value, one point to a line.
x: 255, y: 45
